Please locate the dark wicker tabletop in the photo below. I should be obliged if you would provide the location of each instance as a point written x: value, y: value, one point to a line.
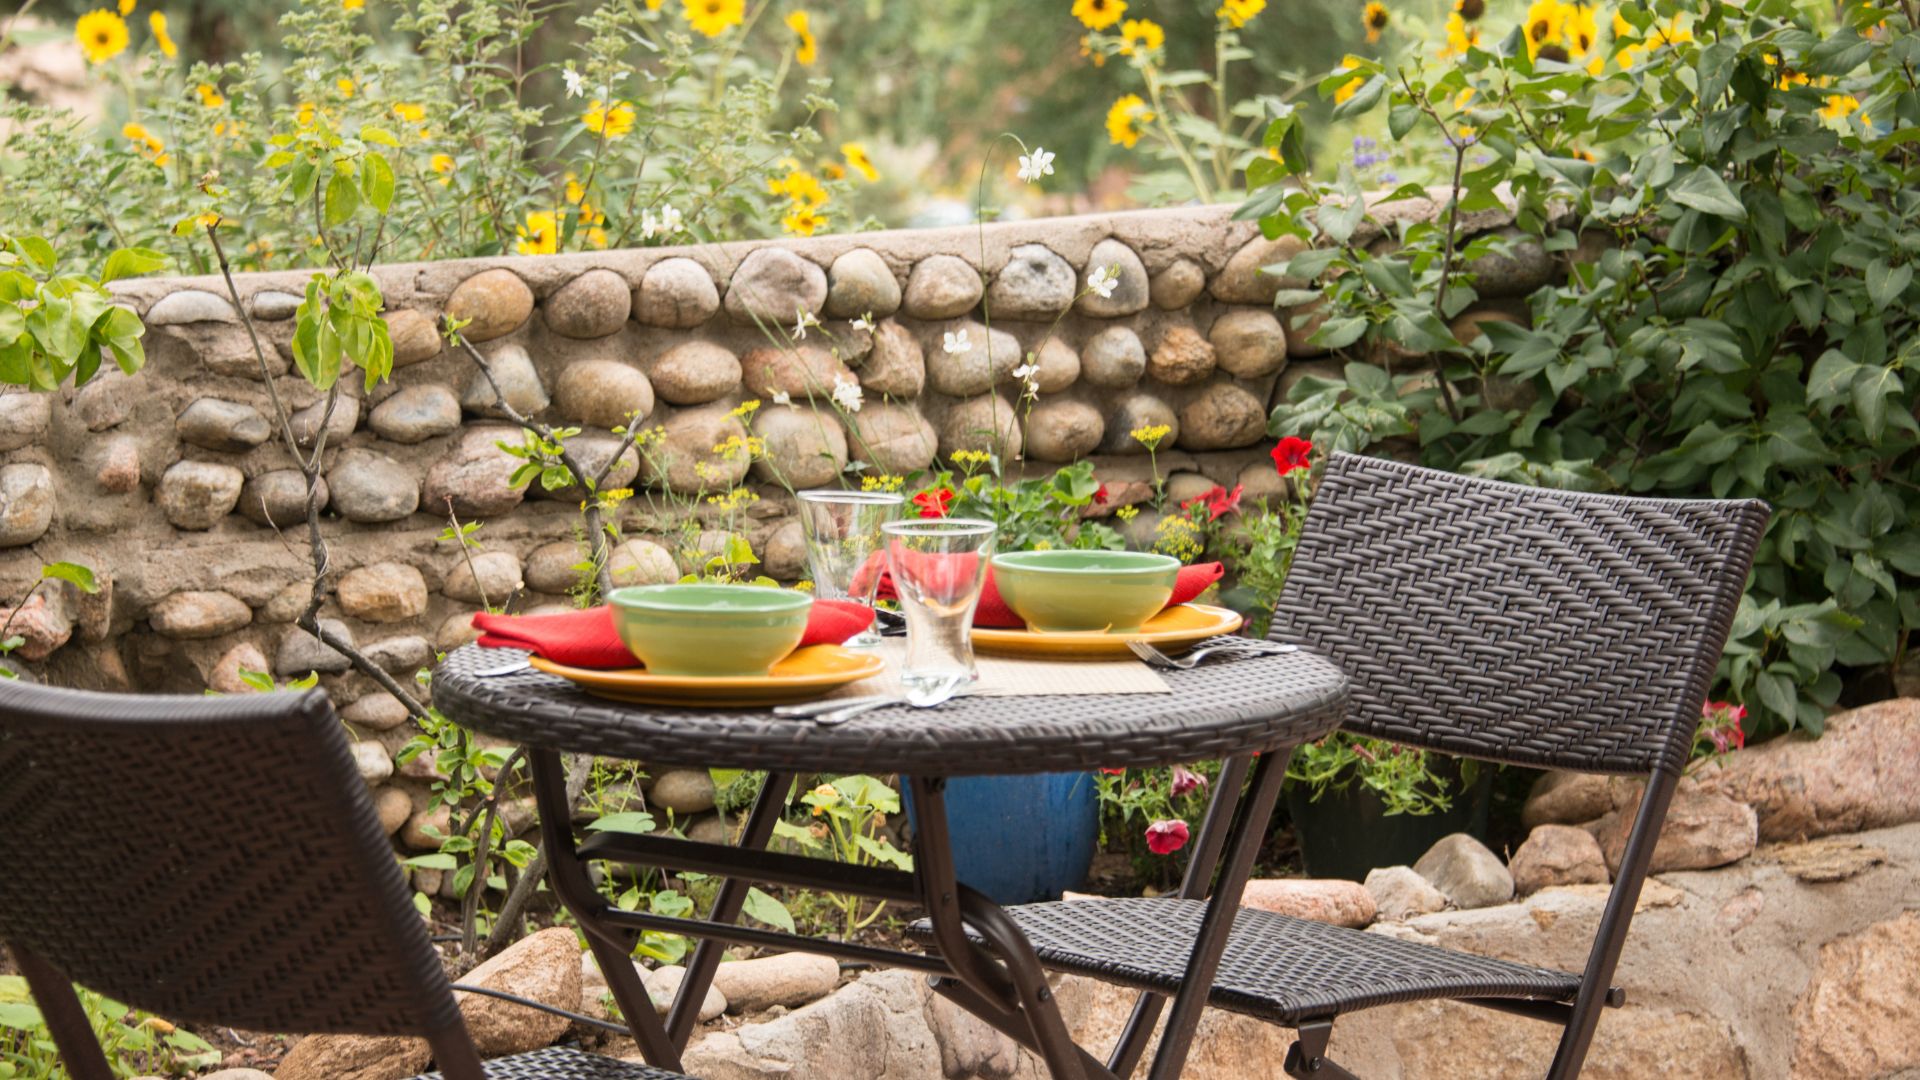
x: 1214, y: 710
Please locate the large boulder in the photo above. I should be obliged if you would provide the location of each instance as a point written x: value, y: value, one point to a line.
x: 1858, y: 775
x: 1466, y: 872
x: 1701, y: 830
x: 1557, y: 855
x: 1860, y: 1014
x: 544, y: 967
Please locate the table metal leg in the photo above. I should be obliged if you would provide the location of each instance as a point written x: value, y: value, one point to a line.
x: 612, y: 947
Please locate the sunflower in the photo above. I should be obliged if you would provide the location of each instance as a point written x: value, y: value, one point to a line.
x: 353, y: 5
x: 1470, y: 10
x: 126, y: 7
x: 210, y: 95
x: 712, y: 17
x: 802, y: 187
x: 442, y: 164
x: 857, y: 159
x: 808, y: 49
x: 1238, y: 12
x: 1099, y: 14
x: 1461, y: 36
x: 1140, y: 36
x: 1375, y: 18
x: 1126, y: 119
x: 540, y: 235
x: 1543, y: 23
x: 102, y: 35
x: 803, y: 221
x: 611, y: 121
x: 409, y: 111
x: 157, y: 22
x: 1839, y: 107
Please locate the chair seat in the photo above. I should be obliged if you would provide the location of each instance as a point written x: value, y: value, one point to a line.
x: 561, y: 1063
x: 1276, y: 967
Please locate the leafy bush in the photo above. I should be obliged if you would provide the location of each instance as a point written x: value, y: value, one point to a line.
x: 1728, y: 190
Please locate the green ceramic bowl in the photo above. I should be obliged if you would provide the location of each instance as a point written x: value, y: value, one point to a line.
x: 1057, y: 591
x: 709, y: 630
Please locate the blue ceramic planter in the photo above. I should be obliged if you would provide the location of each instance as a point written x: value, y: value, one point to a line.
x: 1022, y: 839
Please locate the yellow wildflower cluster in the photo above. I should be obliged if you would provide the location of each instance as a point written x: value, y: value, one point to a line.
x: 971, y: 459
x: 1099, y: 14
x: 102, y: 35
x: 883, y: 482
x: 611, y: 498
x: 1150, y: 435
x: 1237, y: 13
x: 803, y: 585
x: 1127, y: 512
x: 857, y: 159
x: 736, y: 448
x: 714, y: 17
x: 734, y: 499
x: 609, y: 121
x: 1127, y: 120
x: 1178, y: 536
x: 806, y: 48
x: 805, y: 196
x: 442, y: 165
x: 591, y: 218
x: 148, y: 144
x: 210, y: 96
x: 1141, y: 38
x: 746, y: 408
x: 540, y: 235
x: 1841, y: 106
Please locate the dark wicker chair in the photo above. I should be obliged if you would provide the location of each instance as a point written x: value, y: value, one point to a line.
x: 218, y: 861
x: 1514, y: 624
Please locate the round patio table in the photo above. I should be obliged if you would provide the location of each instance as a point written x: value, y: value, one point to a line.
x: 1249, y: 711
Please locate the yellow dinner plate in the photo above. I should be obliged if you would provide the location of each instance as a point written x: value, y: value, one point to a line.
x: 1173, y: 629
x: 805, y: 673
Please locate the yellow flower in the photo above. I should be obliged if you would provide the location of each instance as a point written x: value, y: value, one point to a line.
x: 1461, y: 36
x: 442, y: 164
x: 1126, y: 119
x: 304, y: 113
x: 802, y: 187
x: 1099, y: 14
x: 209, y: 220
x: 883, y: 482
x: 409, y: 111
x: 345, y: 86
x: 1347, y: 89
x: 157, y: 22
x: 149, y: 146
x: 210, y: 95
x: 540, y: 235
x: 353, y: 5
x: 808, y: 50
x: 833, y: 170
x: 1127, y: 513
x: 856, y: 155
x: 1375, y: 18
x: 712, y: 17
x: 746, y: 408
x: 1086, y: 49
x: 126, y: 7
x: 1239, y: 12
x: 1543, y: 23
x: 612, y: 121
x: 1839, y: 107
x: 575, y: 193
x: 1471, y: 10
x: 1151, y: 435
x: 102, y: 35
x: 1140, y: 36
x: 803, y: 221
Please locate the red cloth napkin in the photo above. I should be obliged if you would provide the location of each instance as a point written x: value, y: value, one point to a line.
x: 994, y: 613
x: 587, y: 639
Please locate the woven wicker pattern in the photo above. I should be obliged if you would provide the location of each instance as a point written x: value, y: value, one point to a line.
x: 1521, y: 624
x: 560, y: 1063
x: 216, y: 860
x: 1276, y: 967
x: 1214, y: 710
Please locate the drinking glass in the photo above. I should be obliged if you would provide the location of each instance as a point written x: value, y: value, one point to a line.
x: 938, y: 568
x: 845, y: 549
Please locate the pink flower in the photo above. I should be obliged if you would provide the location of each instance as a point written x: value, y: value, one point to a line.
x: 1292, y: 453
x: 1185, y: 780
x: 1166, y: 837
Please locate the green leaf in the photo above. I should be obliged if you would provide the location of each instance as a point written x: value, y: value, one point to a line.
x: 1831, y: 377
x: 37, y: 251
x: 1363, y: 99
x: 799, y: 834
x: 1884, y: 284
x: 373, y: 133
x: 1339, y: 333
x: 376, y: 182
x: 131, y: 262
x: 630, y: 821
x: 80, y: 576
x: 343, y: 198
x: 435, y: 861
x: 1703, y: 190
x: 763, y: 908
x: 1401, y: 119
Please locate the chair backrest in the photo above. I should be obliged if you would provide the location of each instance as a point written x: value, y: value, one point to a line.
x: 1528, y: 625
x: 216, y: 860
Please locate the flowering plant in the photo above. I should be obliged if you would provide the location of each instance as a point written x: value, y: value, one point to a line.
x: 1149, y: 812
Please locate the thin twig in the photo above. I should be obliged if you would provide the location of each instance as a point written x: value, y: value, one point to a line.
x: 578, y: 770
x: 470, y: 903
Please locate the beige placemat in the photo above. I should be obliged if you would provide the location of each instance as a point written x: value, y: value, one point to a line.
x: 1006, y: 676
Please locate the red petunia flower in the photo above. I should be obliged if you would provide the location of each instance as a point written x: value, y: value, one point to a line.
x: 1291, y: 454
x: 1219, y: 502
x: 1166, y: 837
x: 1185, y: 780
x: 933, y: 504
x: 1100, y: 495
x: 1114, y: 772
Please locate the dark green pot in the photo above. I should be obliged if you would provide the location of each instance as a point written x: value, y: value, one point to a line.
x: 1347, y: 832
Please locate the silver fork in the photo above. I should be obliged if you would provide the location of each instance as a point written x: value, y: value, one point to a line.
x: 1192, y: 660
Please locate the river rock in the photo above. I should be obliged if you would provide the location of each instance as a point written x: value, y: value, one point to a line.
x: 190, y: 306
x: 1557, y: 855
x: 1113, y: 359
x: 542, y: 967
x: 663, y: 984
x: 1341, y: 903
x: 861, y: 284
x: 988, y: 361
x: 1224, y: 416
x: 1466, y: 872
x: 115, y: 461
x: 224, y: 676
x: 1244, y: 280
x: 785, y: 558
x: 1248, y: 343
x: 272, y: 305
x: 26, y: 503
x: 43, y: 624
x: 1136, y: 411
x: 24, y: 416
x: 517, y: 378
x: 805, y: 448
x: 377, y: 711
x: 354, y: 1057
x: 194, y: 615
x: 383, y: 592
x: 107, y: 399
x: 1524, y: 267
x: 695, y: 373
x: 676, y: 293
x: 393, y: 807
x: 1177, y: 286
x: 550, y: 567
x: 800, y: 372
x: 301, y: 652
x: 895, y: 439
x: 370, y: 488
x: 896, y: 366
x: 403, y: 655
x: 941, y: 287
x: 592, y: 305
x: 1036, y: 283
x: 772, y: 284
x: 1856, y: 776
x: 641, y: 562
x: 476, y: 475
x: 307, y: 423
x: 496, y: 301
x: 986, y: 423
x: 1702, y: 830
x: 1059, y: 366
x: 414, y: 337
x: 416, y: 414
x: 1062, y: 431
x: 685, y: 460
x: 1182, y: 357
x: 196, y: 495
x: 683, y: 791
x: 1400, y: 894
x: 1129, y: 295
x: 373, y: 761
x: 788, y: 979
x: 603, y: 394
x: 489, y: 577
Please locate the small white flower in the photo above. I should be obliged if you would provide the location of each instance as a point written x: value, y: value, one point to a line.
x: 846, y: 393
x: 803, y: 319
x: 864, y: 322
x: 1029, y: 376
x: 649, y: 225
x: 956, y: 342
x: 576, y: 83
x: 1036, y: 165
x: 1103, y: 281
x: 781, y: 397
x: 1026, y: 372
x: 670, y: 221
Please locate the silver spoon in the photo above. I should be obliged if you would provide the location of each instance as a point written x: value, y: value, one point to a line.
x: 920, y: 698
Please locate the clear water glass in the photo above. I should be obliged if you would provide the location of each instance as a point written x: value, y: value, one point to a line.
x: 845, y: 549
x: 938, y: 568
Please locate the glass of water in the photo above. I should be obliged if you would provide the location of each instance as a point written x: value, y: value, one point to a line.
x: 845, y: 548
x: 938, y: 568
